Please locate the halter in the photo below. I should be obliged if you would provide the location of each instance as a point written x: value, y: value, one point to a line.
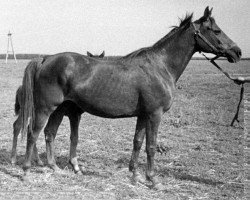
x: 198, y: 34
x: 236, y: 80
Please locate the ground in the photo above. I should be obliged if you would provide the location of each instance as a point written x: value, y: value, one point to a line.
x: 203, y: 157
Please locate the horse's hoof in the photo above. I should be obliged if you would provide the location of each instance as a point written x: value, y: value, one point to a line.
x: 13, y: 163
x: 59, y: 171
x: 159, y: 187
x: 78, y: 173
x: 138, y: 178
x: 56, y: 169
x: 40, y: 163
x: 26, y: 178
x: 82, y: 168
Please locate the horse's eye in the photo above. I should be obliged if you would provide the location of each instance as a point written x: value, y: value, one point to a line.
x: 217, y: 32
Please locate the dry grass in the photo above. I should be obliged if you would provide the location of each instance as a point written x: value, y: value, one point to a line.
x: 203, y: 158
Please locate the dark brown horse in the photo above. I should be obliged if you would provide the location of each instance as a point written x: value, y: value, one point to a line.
x: 140, y: 85
x: 67, y: 108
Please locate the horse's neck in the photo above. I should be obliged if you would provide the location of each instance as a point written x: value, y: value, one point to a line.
x: 176, y: 54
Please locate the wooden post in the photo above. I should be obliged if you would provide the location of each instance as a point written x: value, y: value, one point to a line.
x: 12, y: 49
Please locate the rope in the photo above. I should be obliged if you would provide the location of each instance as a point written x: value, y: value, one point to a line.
x: 238, y: 107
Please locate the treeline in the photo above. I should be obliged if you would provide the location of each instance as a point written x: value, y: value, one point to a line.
x: 31, y: 56
x: 22, y: 56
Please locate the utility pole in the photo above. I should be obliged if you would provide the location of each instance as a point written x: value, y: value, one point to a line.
x: 8, y: 46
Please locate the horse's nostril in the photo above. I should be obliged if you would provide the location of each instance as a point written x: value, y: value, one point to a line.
x: 237, y: 50
x: 239, y: 53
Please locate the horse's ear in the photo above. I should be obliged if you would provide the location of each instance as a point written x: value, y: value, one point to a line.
x: 211, y: 11
x: 89, y: 54
x: 207, y: 13
x: 102, y: 54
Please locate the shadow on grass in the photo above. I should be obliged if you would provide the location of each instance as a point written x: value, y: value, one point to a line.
x: 61, y: 161
x: 5, y: 164
x: 4, y: 157
x: 188, y: 177
x: 237, y: 125
x: 183, y: 175
x: 10, y: 173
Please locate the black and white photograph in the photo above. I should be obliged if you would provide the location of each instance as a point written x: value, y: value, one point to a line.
x: 115, y: 99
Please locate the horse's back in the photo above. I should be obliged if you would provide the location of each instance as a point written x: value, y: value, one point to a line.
x: 101, y: 87
x: 108, y: 89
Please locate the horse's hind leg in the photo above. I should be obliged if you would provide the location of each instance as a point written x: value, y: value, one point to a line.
x: 16, y: 131
x: 50, y: 131
x: 137, y: 143
x: 74, y: 125
x: 41, y: 118
x: 37, y: 157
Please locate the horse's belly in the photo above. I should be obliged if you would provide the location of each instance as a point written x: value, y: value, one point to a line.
x: 109, y: 103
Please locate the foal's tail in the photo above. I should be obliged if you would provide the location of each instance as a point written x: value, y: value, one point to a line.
x: 27, y: 111
x: 18, y: 100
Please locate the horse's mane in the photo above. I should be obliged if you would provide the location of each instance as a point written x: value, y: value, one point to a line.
x: 186, y: 21
x: 183, y: 24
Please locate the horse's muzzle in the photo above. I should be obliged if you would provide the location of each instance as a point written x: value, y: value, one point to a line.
x: 233, y: 54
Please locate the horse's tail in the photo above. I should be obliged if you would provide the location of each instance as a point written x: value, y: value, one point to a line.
x: 27, y: 112
x: 18, y: 99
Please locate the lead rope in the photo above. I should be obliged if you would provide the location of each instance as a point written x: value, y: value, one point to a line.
x: 238, y: 107
x: 236, y: 81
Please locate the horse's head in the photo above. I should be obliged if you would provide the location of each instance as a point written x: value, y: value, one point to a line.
x: 96, y: 56
x: 211, y: 39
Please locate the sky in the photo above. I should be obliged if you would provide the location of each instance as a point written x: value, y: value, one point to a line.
x: 116, y: 26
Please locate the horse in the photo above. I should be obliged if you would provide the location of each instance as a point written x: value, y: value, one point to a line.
x: 66, y: 109
x: 140, y: 84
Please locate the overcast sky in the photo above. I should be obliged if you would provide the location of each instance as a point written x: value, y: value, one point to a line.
x: 116, y: 26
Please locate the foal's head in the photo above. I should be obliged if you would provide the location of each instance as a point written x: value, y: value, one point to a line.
x: 96, y: 56
x: 211, y: 39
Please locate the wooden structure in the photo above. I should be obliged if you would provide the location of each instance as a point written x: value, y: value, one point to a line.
x: 10, y: 43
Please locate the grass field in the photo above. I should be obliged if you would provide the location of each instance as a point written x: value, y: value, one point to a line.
x: 203, y: 158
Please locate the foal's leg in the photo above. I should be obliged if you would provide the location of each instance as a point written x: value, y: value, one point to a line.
x: 153, y: 123
x: 16, y: 131
x: 74, y: 125
x: 41, y: 118
x: 137, y: 143
x: 50, y: 131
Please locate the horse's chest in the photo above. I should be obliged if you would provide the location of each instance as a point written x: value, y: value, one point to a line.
x: 159, y: 95
x: 167, y: 100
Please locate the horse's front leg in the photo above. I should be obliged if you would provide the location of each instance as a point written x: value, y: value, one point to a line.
x: 152, y: 126
x: 74, y: 118
x: 137, y: 143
